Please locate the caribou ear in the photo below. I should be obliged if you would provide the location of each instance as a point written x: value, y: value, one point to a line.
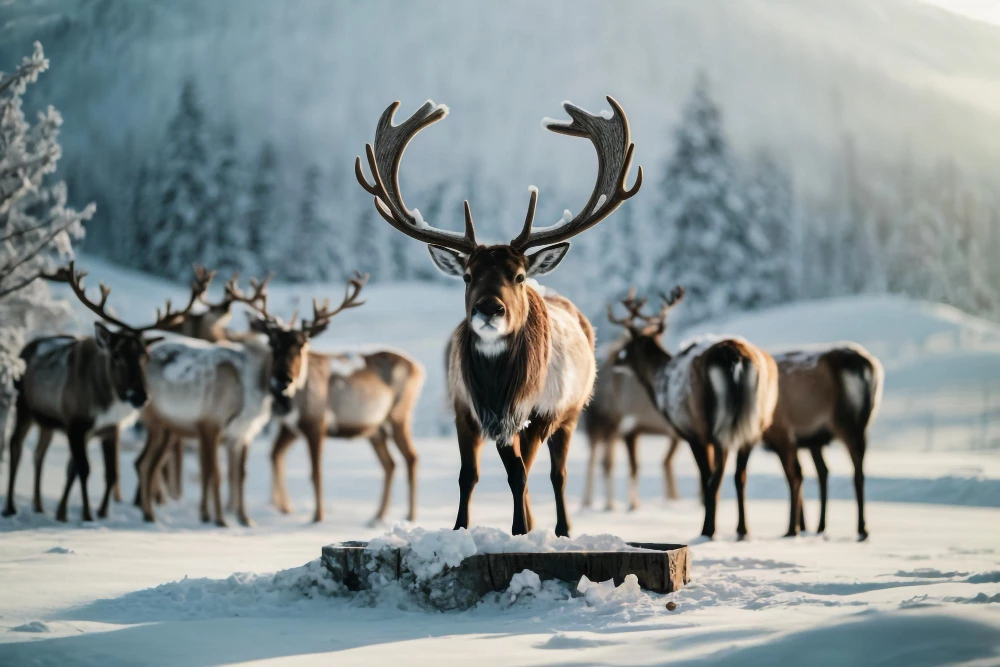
x: 546, y: 259
x: 102, y: 335
x: 450, y: 262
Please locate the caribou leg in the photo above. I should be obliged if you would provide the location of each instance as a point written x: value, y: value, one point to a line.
x: 61, y: 510
x: 404, y: 443
x: 279, y: 494
x: 109, y: 447
x: 388, y: 468
x: 558, y: 451
x: 22, y: 423
x: 44, y: 440
x: 741, y: 482
x: 632, y: 447
x: 315, y: 433
x: 241, y: 482
x: 608, y: 468
x: 823, y: 473
x: 670, y: 483
x: 856, y: 444
x: 517, y: 479
x: 470, y: 442
x: 78, y: 447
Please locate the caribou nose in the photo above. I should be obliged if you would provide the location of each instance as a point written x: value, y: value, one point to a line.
x: 489, y: 307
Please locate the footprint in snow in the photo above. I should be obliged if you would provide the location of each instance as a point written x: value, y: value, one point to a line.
x: 60, y: 550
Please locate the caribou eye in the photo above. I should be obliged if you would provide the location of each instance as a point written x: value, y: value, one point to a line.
x: 467, y: 278
x: 519, y: 278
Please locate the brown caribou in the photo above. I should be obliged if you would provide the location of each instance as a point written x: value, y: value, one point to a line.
x: 370, y: 395
x: 84, y: 387
x: 522, y: 364
x: 717, y: 394
x: 620, y: 406
x: 824, y: 393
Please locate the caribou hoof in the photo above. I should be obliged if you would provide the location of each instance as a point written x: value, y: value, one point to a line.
x: 221, y: 523
x: 246, y: 521
x: 37, y: 507
x: 633, y: 507
x: 148, y: 518
x: 9, y: 511
x: 741, y: 537
x: 102, y: 513
x: 373, y: 522
x: 791, y: 533
x: 862, y: 536
x: 87, y: 516
x: 61, y: 516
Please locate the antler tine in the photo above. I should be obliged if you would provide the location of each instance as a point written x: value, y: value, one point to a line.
x: 611, y: 139
x: 322, y: 314
x: 257, y: 300
x: 69, y: 275
x: 384, y: 160
x: 621, y: 321
x: 671, y: 300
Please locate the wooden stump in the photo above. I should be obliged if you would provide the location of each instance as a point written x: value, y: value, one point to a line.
x: 661, y: 568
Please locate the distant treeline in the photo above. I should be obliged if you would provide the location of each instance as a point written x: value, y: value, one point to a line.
x: 735, y: 230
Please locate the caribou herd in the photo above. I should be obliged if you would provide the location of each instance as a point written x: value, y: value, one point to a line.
x: 521, y: 371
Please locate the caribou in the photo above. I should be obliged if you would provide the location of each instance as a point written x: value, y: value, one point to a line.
x: 522, y: 363
x: 825, y: 393
x: 717, y: 393
x: 621, y: 407
x: 225, y: 392
x: 84, y: 387
x: 369, y: 395
x: 209, y: 325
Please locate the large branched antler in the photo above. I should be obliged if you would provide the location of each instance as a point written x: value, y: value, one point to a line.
x: 69, y: 275
x: 322, y: 313
x: 384, y: 160
x: 610, y: 136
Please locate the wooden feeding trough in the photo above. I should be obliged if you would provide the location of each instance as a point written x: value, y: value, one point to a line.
x: 660, y: 568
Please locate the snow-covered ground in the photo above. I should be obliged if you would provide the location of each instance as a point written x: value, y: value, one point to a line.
x: 923, y: 590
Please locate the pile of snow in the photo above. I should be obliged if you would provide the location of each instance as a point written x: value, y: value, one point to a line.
x: 428, y: 555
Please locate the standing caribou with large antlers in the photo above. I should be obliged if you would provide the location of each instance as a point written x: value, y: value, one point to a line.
x: 522, y: 364
x: 716, y: 393
x: 85, y: 387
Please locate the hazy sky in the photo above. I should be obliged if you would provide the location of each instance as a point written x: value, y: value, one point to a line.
x: 987, y: 11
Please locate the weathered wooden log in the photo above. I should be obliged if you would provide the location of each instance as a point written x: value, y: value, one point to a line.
x: 660, y: 568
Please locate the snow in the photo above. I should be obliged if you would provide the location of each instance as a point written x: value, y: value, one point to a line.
x: 925, y: 584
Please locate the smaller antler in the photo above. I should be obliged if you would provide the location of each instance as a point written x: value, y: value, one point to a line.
x: 668, y: 301
x: 322, y: 313
x: 634, y: 307
x: 69, y: 275
x: 257, y: 300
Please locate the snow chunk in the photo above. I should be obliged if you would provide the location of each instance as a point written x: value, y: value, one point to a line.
x: 524, y: 580
x: 600, y: 203
x: 607, y: 114
x: 435, y: 107
x: 605, y: 596
x: 60, y: 550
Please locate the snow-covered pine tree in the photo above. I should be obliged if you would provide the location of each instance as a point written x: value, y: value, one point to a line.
x: 370, y: 244
x: 36, y: 226
x: 181, y: 234
x: 262, y: 215
x: 227, y: 202
x: 619, y: 253
x: 313, y: 254
x: 706, y: 250
x: 143, y: 215
x: 769, y: 220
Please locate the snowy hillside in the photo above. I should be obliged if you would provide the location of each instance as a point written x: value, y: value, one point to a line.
x: 309, y: 76
x: 942, y: 365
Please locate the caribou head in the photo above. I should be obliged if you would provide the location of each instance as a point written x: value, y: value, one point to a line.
x: 644, y: 331
x: 496, y: 303
x: 127, y: 348
x: 290, y: 344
